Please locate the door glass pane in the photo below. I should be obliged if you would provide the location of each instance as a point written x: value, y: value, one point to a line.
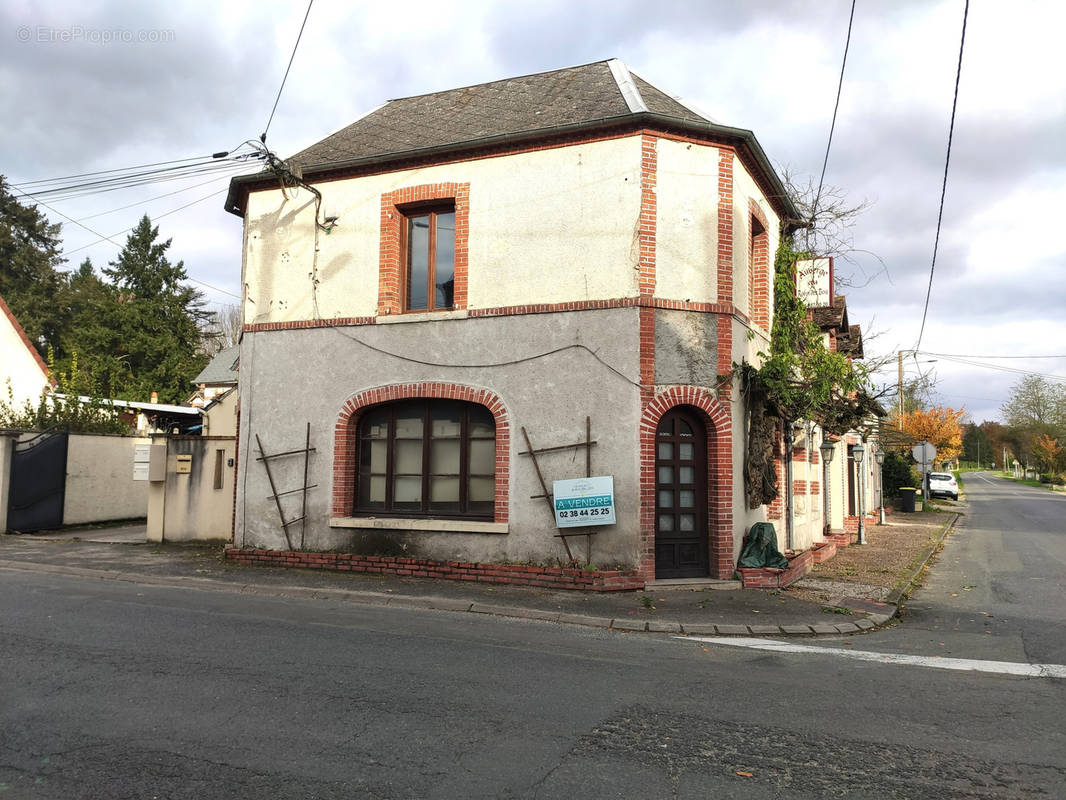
x: 686, y: 498
x: 443, y: 456
x: 408, y: 457
x: 481, y: 421
x: 686, y: 475
x: 666, y: 450
x: 407, y: 493
x: 417, y: 262
x: 445, y: 272
x: 688, y: 522
x: 666, y: 499
x: 666, y: 522
x: 666, y: 474
x: 686, y: 451
x: 482, y: 490
x: 482, y: 457
x: 446, y: 419
x: 684, y: 428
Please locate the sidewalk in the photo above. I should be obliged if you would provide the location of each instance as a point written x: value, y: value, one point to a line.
x: 703, y: 610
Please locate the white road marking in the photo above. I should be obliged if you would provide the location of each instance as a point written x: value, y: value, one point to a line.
x: 959, y: 664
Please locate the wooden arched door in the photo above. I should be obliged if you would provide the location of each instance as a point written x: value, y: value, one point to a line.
x: 681, y: 537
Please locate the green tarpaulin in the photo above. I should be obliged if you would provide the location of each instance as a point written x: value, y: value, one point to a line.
x: 760, y: 548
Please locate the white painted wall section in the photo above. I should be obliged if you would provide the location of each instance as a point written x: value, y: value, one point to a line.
x: 686, y: 247
x: 548, y: 226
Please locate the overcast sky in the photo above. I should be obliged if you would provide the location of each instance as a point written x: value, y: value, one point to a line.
x: 101, y: 85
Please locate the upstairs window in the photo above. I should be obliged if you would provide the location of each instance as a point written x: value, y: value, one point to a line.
x: 426, y: 458
x: 429, y: 258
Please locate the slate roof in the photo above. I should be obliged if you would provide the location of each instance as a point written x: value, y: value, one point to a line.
x: 221, y: 369
x: 529, y: 103
x: 514, y: 109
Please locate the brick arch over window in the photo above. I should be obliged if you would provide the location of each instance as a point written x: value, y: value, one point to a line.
x: 716, y: 419
x: 390, y: 266
x: 344, y: 437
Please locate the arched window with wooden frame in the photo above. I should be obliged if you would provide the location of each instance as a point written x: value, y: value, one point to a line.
x: 427, y: 457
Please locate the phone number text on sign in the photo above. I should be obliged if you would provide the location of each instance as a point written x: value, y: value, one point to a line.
x: 584, y: 501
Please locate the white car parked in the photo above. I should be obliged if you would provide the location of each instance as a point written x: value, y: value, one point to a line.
x: 943, y: 483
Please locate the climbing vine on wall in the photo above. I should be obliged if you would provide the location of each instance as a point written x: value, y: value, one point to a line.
x: 800, y: 379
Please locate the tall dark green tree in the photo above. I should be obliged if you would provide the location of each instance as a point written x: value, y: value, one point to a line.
x: 976, y: 446
x: 88, y: 345
x: 155, y: 318
x: 30, y: 281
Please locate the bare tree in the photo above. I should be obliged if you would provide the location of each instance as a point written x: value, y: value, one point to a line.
x: 830, y: 219
x: 223, y: 330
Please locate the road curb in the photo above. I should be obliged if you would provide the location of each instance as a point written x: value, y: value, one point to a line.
x: 436, y: 603
x: 902, y: 588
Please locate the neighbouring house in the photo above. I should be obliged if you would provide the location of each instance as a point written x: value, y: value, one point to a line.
x: 458, y: 279
x: 853, y: 483
x: 21, y: 366
x: 218, y: 377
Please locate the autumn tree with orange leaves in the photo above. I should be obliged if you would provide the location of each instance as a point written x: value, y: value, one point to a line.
x: 1049, y: 454
x: 938, y: 426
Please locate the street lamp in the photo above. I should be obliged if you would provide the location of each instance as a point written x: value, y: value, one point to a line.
x: 827, y: 449
x: 880, y: 456
x: 857, y: 452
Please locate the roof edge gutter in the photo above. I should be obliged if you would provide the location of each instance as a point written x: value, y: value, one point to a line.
x: 241, y: 184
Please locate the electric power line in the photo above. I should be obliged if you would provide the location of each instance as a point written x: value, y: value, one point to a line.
x: 944, y: 185
x: 203, y: 159
x: 956, y: 355
x: 1003, y: 368
x: 307, y: 13
x: 833, y: 124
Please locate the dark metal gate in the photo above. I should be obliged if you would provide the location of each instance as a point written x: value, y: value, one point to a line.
x: 38, y: 483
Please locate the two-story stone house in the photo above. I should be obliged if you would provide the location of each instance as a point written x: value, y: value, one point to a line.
x: 456, y: 271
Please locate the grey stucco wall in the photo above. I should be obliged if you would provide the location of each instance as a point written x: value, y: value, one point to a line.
x: 292, y: 377
x: 686, y: 348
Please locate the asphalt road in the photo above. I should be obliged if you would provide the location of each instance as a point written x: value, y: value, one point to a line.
x: 113, y: 690
x: 998, y: 589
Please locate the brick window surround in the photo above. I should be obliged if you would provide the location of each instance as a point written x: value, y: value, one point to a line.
x: 719, y: 476
x: 759, y: 283
x: 390, y: 263
x: 346, y: 430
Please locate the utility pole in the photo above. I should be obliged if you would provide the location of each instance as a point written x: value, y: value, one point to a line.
x: 899, y: 416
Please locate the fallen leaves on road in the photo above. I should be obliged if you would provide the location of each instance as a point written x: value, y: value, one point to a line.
x: 744, y: 774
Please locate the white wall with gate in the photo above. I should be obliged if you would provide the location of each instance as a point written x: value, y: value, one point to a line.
x: 99, y: 477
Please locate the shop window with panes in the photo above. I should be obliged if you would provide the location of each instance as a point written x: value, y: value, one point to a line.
x: 426, y: 458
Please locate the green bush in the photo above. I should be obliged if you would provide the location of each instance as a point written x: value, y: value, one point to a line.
x: 897, y: 471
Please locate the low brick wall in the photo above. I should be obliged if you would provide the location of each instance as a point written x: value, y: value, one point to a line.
x: 770, y: 578
x: 516, y: 574
x: 824, y: 551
